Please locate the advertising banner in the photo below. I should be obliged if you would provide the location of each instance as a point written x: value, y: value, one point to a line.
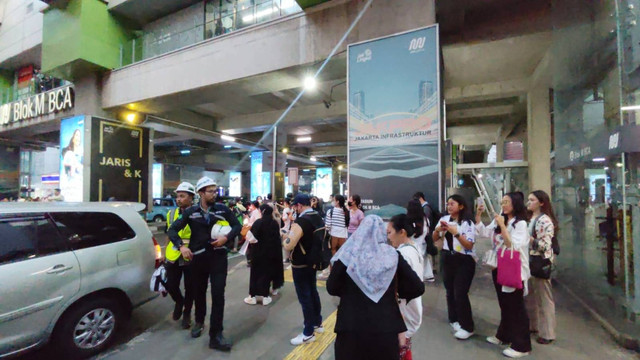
x: 9, y: 172
x: 119, y: 161
x: 324, y: 182
x: 394, y: 120
x: 235, y: 183
x: 260, y: 180
x: 156, y: 176
x: 72, y: 158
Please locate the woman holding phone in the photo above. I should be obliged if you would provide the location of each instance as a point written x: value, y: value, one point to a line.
x: 457, y: 232
x: 509, y: 230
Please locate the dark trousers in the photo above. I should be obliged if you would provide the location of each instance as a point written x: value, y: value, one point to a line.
x: 304, y: 280
x: 458, y: 274
x: 210, y: 266
x: 265, y: 274
x: 361, y: 345
x: 514, y: 321
x: 174, y: 275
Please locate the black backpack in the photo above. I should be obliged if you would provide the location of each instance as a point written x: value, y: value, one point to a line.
x: 433, y: 222
x: 320, y: 254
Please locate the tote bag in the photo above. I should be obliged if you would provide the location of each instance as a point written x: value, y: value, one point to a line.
x: 509, y: 268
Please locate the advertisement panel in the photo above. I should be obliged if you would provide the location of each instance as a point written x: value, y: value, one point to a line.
x: 156, y: 176
x: 119, y: 161
x: 394, y: 130
x: 72, y: 158
x: 324, y: 182
x: 257, y: 182
x: 235, y: 183
x: 9, y: 172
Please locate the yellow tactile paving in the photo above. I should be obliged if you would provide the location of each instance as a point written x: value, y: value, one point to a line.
x: 288, y: 277
x: 313, y: 350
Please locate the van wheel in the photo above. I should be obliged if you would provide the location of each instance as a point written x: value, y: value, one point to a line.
x: 158, y: 219
x: 88, y: 328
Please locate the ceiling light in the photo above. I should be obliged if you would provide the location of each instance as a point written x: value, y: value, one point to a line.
x: 285, y: 150
x: 619, y: 164
x: 340, y: 167
x: 131, y: 117
x: 306, y: 170
x: 302, y: 139
x: 185, y: 152
x: 228, y: 146
x: 606, y: 168
x: 599, y: 159
x: 313, y: 158
x: 630, y: 108
x: 227, y: 138
x: 310, y: 83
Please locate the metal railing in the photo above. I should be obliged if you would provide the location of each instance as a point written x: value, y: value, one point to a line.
x: 220, y: 21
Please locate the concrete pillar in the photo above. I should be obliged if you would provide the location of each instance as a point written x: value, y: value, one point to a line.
x: 88, y: 96
x: 500, y: 148
x: 539, y: 139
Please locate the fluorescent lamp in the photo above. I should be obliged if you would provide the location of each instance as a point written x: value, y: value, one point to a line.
x: 606, y: 168
x: 306, y: 170
x: 630, y: 108
x: 303, y: 139
x: 600, y: 159
x: 310, y: 83
x: 619, y: 164
x: 285, y: 150
x: 227, y: 138
x: 185, y: 152
x: 313, y: 158
x: 228, y: 146
x: 131, y: 117
x: 340, y: 167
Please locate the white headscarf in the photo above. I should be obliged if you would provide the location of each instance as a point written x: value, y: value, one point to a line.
x: 371, y: 262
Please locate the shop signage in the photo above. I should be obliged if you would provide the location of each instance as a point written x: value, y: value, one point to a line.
x: 623, y: 139
x: 45, y: 103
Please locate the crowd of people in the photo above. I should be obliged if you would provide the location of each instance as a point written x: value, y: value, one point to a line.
x: 377, y: 269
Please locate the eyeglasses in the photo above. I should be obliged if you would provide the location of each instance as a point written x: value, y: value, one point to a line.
x: 210, y: 191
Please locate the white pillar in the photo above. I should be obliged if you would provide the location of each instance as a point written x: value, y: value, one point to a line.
x: 539, y: 139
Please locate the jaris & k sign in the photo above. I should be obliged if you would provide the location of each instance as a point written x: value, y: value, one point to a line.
x: 46, y: 103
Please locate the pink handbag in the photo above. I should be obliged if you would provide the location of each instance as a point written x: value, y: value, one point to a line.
x: 509, y: 268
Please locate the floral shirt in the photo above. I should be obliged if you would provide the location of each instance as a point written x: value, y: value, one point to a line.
x: 542, y: 231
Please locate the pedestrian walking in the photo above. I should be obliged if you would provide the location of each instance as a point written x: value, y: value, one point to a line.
x: 304, y: 275
x: 509, y: 231
x: 175, y: 264
x: 400, y: 231
x: 457, y: 233
x: 540, y: 305
x: 266, y: 262
x: 369, y: 321
x: 417, y: 217
x: 356, y: 215
x: 209, y: 258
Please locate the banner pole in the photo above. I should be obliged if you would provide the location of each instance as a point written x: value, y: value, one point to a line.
x: 273, y: 165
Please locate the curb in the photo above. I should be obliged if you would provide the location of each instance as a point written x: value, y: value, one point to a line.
x: 625, y: 340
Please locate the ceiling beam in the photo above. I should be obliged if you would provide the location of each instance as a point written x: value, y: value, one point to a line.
x: 488, y: 91
x: 170, y: 139
x: 490, y: 111
x: 297, y: 116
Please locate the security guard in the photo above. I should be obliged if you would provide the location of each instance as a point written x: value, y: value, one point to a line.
x: 175, y: 263
x: 209, y: 258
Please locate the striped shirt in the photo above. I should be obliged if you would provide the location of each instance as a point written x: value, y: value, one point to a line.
x: 336, y: 222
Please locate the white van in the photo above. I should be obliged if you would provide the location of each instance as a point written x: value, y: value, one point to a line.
x: 71, y: 273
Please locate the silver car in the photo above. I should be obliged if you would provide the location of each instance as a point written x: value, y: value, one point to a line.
x: 71, y: 273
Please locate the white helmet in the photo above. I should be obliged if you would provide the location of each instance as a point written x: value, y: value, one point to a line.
x: 204, y: 182
x: 186, y: 187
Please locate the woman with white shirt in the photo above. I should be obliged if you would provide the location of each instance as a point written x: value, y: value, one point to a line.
x: 400, y: 231
x: 509, y: 230
x: 457, y: 232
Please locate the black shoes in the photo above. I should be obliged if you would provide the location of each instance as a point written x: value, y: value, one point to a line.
x: 177, y: 312
x: 543, y: 341
x: 196, y: 330
x: 186, y: 320
x: 218, y: 342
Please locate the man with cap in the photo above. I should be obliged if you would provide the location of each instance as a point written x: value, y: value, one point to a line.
x: 208, y: 256
x: 304, y: 275
x: 175, y: 263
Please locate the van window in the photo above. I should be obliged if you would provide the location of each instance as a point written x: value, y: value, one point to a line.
x: 27, y: 237
x: 88, y: 229
x: 167, y: 202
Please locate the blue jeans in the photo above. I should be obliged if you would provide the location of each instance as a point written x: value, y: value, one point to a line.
x: 304, y: 280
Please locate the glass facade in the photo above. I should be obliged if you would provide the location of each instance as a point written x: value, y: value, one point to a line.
x: 596, y: 108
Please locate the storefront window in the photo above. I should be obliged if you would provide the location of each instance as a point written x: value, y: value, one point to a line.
x: 596, y: 52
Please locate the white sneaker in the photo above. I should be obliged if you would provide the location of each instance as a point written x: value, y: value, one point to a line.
x: 302, y: 339
x: 455, y: 326
x: 514, y: 354
x: 266, y: 300
x: 319, y: 329
x: 251, y: 300
x: 494, y: 340
x: 462, y: 334
x: 275, y: 292
x: 431, y: 279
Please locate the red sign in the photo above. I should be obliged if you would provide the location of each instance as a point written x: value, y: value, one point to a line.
x: 25, y: 74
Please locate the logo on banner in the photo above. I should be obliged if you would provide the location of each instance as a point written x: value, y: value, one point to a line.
x: 614, y: 141
x: 417, y: 45
x: 365, y: 56
x: 135, y: 134
x: 108, y: 129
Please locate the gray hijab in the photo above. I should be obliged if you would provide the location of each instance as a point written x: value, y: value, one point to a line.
x: 371, y: 262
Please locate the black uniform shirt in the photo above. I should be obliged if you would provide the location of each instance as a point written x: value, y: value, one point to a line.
x: 201, y: 223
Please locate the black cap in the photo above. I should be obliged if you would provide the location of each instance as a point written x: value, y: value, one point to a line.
x: 302, y: 199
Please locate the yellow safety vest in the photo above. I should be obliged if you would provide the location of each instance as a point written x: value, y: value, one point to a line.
x: 171, y: 253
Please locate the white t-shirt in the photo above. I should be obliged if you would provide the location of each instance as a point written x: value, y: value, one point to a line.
x: 466, y: 228
x: 336, y: 222
x: 421, y: 242
x: 412, y: 311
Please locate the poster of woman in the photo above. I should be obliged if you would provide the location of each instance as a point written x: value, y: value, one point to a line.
x: 71, y: 157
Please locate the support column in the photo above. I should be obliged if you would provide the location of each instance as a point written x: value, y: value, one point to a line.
x: 539, y: 139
